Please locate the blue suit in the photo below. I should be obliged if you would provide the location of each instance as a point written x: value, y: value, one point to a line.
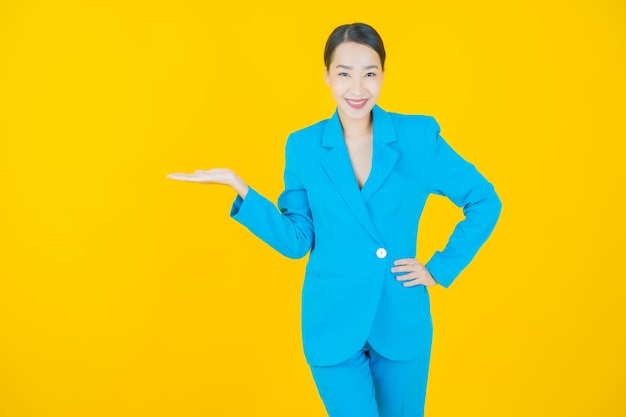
x: 349, y: 294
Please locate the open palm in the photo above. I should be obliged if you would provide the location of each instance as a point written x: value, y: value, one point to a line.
x: 211, y: 176
x: 215, y: 176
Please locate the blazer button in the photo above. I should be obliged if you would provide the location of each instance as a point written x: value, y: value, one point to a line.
x: 381, y: 253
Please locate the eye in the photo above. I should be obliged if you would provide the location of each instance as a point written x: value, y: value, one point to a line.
x: 343, y: 74
x: 370, y: 74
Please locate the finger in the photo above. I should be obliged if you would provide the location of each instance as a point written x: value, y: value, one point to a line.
x: 407, y: 277
x: 408, y: 267
x: 413, y: 283
x: 405, y: 261
x: 183, y: 177
x: 404, y: 268
x: 177, y: 176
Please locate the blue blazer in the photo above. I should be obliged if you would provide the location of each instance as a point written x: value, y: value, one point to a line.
x: 349, y: 294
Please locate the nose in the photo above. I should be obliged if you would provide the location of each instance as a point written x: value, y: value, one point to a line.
x: 357, y: 86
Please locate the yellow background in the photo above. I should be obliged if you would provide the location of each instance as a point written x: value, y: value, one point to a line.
x: 124, y: 293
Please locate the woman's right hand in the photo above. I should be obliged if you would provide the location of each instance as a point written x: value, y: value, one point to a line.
x: 223, y: 176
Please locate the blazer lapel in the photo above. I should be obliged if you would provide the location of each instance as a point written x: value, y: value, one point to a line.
x: 384, y: 156
x: 337, y: 164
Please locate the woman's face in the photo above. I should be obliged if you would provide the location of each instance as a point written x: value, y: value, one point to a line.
x: 355, y: 77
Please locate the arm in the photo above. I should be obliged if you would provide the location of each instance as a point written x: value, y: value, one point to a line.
x: 288, y: 229
x: 451, y: 176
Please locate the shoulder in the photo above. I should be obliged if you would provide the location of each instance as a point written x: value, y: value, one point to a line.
x: 308, y: 132
x: 307, y: 139
x: 413, y: 123
x: 412, y: 130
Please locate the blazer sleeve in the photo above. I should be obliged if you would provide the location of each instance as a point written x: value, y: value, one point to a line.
x: 288, y: 229
x: 448, y: 174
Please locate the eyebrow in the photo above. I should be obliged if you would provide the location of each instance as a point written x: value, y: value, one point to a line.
x: 347, y: 67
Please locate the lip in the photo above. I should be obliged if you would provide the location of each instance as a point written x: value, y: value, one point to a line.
x: 357, y: 104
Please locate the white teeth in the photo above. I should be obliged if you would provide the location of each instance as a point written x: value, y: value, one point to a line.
x: 357, y: 102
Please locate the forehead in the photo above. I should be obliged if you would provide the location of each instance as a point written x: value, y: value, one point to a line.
x: 352, y: 53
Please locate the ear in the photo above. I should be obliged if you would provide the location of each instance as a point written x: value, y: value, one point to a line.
x: 326, y: 77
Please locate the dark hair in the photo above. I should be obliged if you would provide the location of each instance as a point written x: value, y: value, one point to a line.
x: 354, y: 32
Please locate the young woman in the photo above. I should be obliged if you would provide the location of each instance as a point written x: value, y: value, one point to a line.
x: 355, y: 187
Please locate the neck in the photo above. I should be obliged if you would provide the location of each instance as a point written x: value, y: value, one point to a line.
x: 356, y: 127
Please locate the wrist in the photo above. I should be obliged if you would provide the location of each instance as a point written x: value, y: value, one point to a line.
x: 241, y: 187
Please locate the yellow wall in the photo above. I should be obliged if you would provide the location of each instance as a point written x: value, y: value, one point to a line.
x: 124, y: 293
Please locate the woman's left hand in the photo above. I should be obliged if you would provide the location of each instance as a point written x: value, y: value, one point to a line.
x: 416, y: 273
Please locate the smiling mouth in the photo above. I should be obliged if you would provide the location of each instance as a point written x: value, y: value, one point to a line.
x: 357, y: 104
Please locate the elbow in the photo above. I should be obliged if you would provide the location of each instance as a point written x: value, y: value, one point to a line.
x: 296, y: 254
x: 301, y: 243
x: 487, y: 208
x: 496, y: 204
x: 297, y: 247
x: 297, y: 251
x: 495, y: 209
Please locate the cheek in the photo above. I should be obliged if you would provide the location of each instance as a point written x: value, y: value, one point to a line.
x: 339, y: 87
x: 374, y: 85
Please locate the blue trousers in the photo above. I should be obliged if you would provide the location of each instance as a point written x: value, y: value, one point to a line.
x: 370, y: 385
